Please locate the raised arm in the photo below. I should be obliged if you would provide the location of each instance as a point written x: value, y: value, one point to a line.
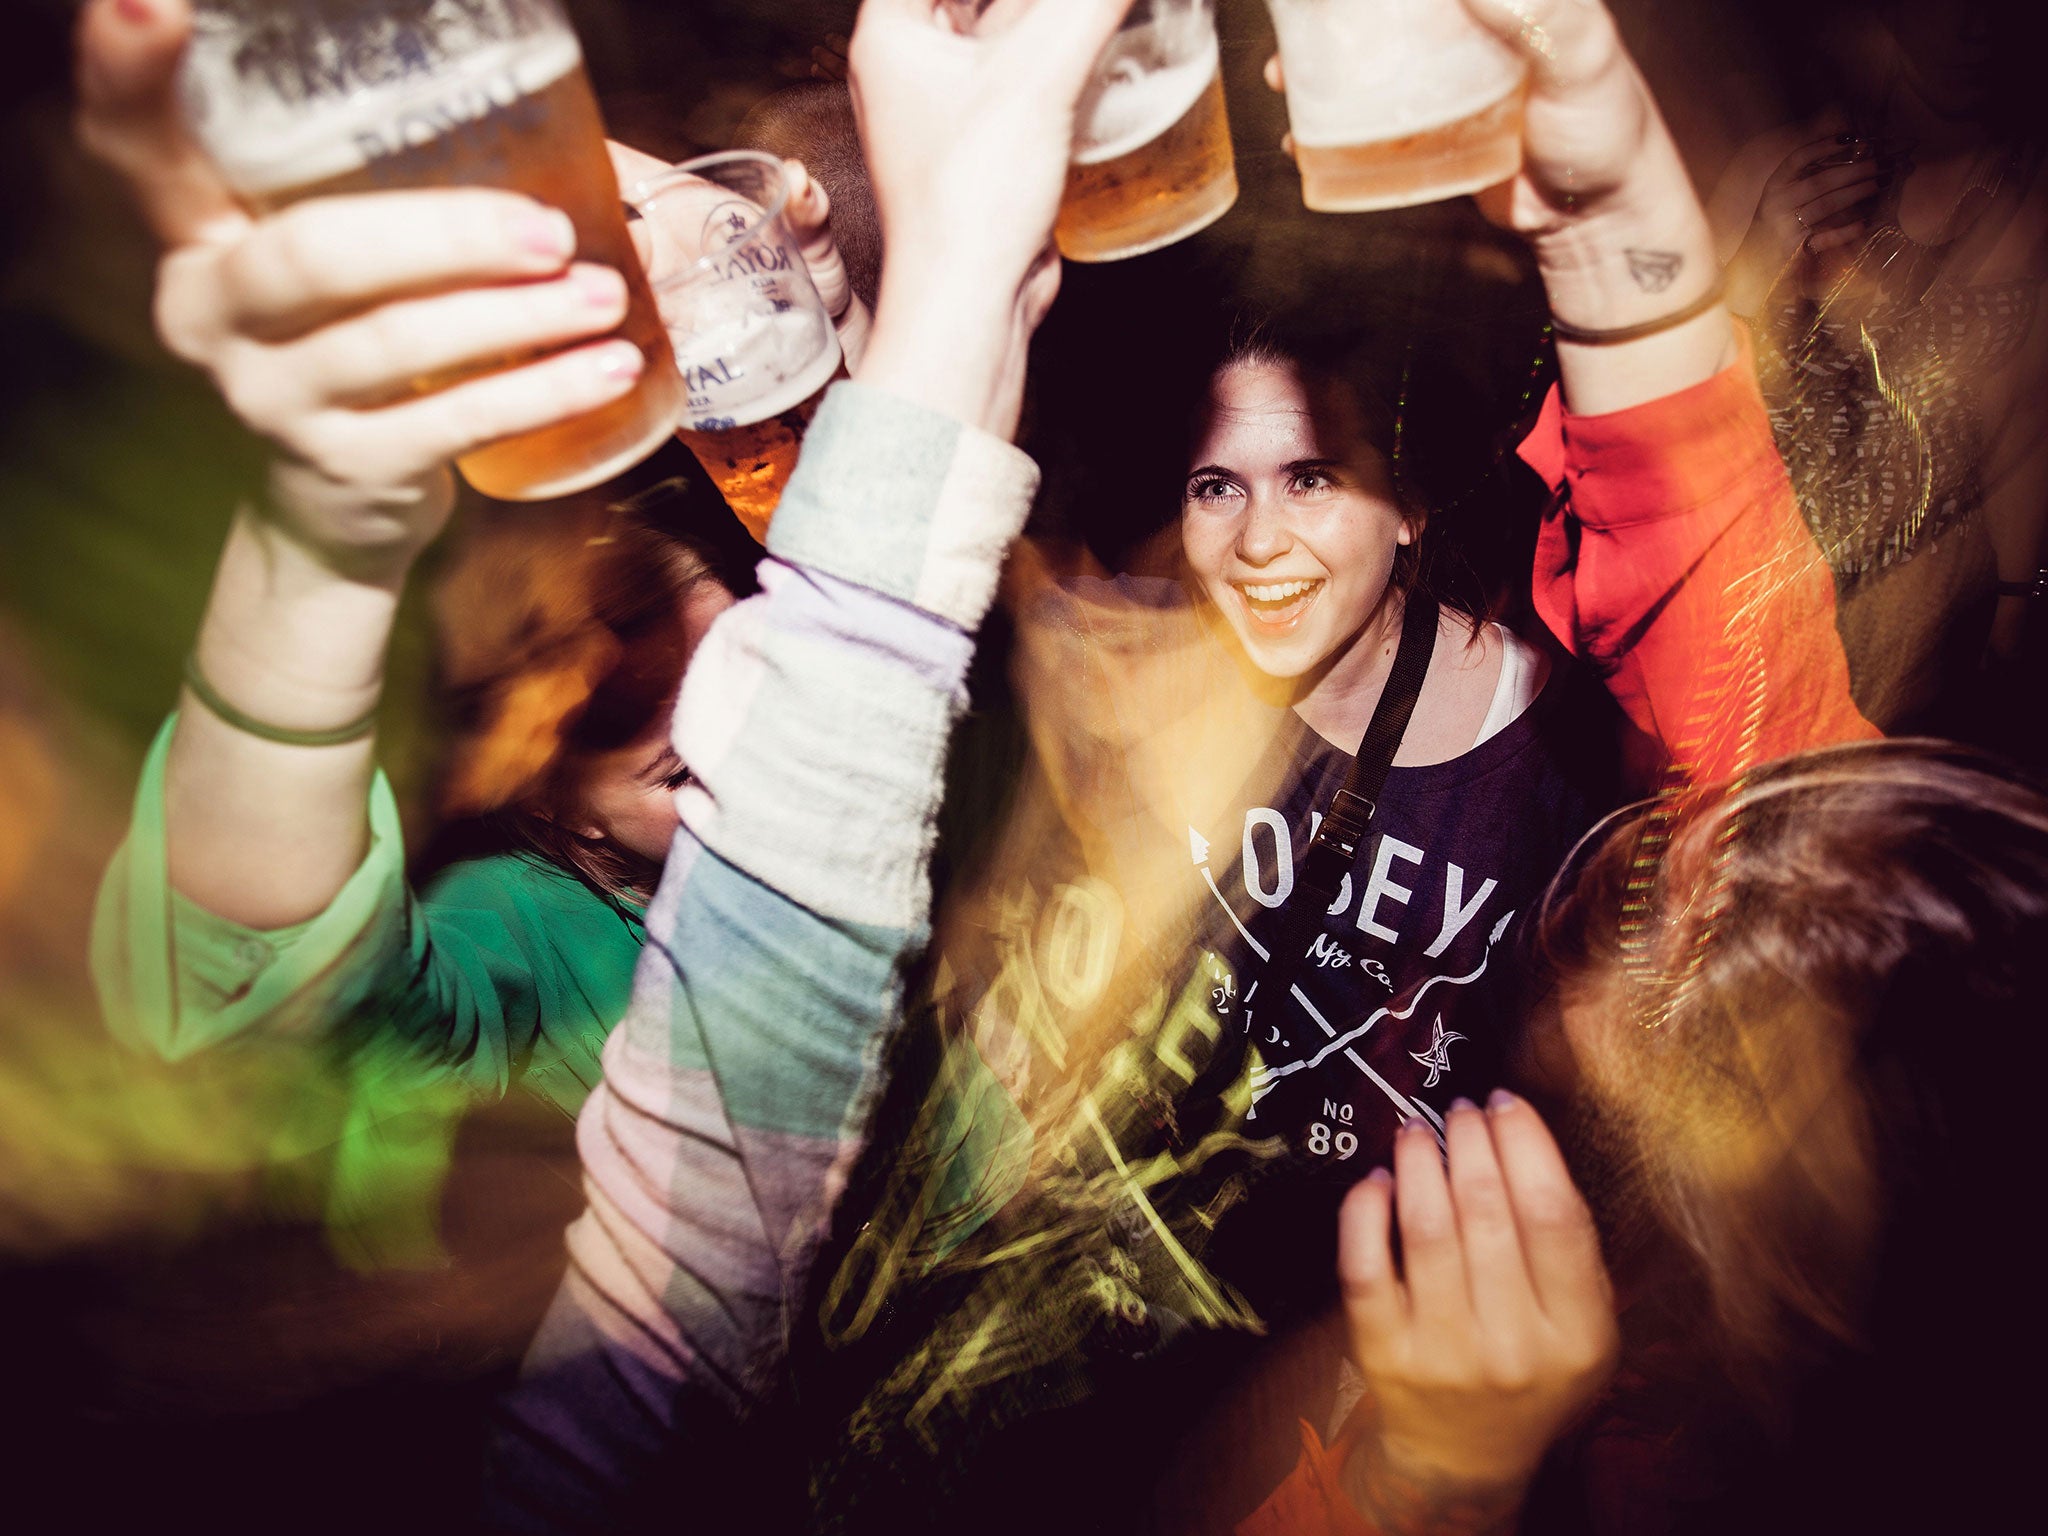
x: 816, y: 717
x: 307, y: 320
x: 1674, y: 559
x: 1606, y: 205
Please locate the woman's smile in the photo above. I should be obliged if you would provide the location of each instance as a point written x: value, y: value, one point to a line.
x: 1278, y: 606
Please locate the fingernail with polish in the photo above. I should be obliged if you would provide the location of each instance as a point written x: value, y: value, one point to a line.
x: 1379, y: 1176
x: 1412, y: 1124
x: 547, y: 232
x: 1461, y: 1102
x: 137, y: 11
x: 600, y: 287
x: 620, y: 360
x: 1501, y: 1099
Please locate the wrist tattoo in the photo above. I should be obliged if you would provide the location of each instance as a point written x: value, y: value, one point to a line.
x: 1410, y: 1502
x: 1654, y: 271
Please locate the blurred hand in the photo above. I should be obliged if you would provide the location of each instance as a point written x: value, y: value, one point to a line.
x: 1815, y: 200
x: 828, y: 59
x: 1496, y: 1330
x: 967, y: 138
x: 316, y: 322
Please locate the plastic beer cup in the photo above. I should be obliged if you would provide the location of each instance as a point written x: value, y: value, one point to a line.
x: 1151, y: 162
x: 295, y: 99
x: 1397, y: 102
x: 754, y: 344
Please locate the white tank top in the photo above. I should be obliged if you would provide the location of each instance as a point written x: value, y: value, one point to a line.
x: 1521, y: 677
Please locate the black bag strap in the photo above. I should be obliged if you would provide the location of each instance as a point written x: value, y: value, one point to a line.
x: 1334, y: 848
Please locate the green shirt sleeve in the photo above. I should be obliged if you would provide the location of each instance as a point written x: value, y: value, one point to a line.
x: 502, y: 969
x: 174, y: 979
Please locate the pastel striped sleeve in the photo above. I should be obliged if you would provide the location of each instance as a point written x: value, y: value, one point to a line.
x: 816, y: 718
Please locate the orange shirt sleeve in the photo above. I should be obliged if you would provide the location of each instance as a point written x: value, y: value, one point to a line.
x: 1311, y: 1502
x: 1674, y: 561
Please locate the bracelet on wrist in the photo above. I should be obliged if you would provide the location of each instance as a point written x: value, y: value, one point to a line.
x: 249, y: 725
x: 2030, y: 587
x: 1586, y: 337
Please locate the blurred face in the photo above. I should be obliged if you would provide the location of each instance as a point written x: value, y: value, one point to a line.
x: 628, y: 793
x: 1947, y: 48
x: 1288, y: 519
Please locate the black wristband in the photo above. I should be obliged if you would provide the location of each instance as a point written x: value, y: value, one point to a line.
x: 1579, y: 336
x: 249, y: 725
x: 2035, y: 586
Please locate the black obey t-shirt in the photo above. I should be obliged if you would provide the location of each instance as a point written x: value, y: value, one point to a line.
x: 1409, y: 993
x: 1410, y: 999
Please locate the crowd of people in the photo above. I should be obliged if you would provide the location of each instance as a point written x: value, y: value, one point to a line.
x: 1271, y: 1019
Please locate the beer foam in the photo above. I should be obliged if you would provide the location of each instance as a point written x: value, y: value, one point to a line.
x: 264, y: 144
x: 751, y: 367
x: 1357, y: 90
x: 1134, y: 98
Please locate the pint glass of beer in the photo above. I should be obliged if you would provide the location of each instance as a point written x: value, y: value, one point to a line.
x: 752, y: 339
x: 305, y: 98
x: 1152, y: 161
x: 1397, y: 102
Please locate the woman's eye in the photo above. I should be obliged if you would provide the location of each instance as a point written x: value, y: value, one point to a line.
x: 1210, y: 490
x: 1314, y: 480
x: 677, y: 779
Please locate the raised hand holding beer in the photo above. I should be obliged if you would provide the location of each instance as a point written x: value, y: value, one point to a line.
x: 1603, y: 198
x: 316, y: 321
x: 296, y: 101
x: 967, y: 139
x: 1396, y: 102
x: 319, y: 321
x: 1600, y: 193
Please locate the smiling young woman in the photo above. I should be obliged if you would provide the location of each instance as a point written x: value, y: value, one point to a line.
x: 1306, y: 544
x: 1304, y: 547
x: 1294, y: 528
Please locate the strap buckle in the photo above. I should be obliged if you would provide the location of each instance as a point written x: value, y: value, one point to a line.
x: 1344, y: 827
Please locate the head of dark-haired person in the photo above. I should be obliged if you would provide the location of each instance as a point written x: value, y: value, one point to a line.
x: 1291, y: 522
x: 1318, y: 468
x: 565, y: 642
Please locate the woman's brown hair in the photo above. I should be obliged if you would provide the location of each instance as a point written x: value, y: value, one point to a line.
x: 561, y: 636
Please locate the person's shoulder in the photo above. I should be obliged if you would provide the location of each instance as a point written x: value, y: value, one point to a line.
x: 1468, y: 649
x: 2027, y: 242
x: 1457, y: 691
